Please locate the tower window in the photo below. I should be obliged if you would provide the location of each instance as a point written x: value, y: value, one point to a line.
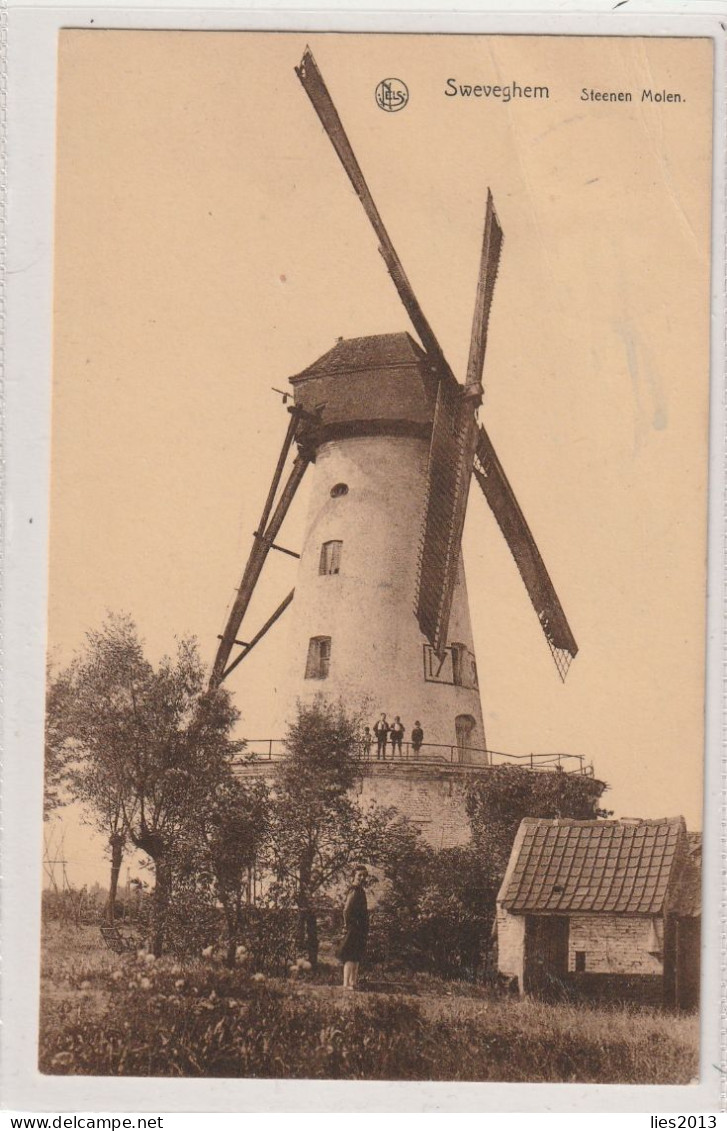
x: 330, y: 557
x: 580, y: 958
x: 319, y: 657
x: 338, y: 490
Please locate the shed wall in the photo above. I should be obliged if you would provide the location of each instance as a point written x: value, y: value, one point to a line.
x: 613, y: 944
x: 511, y: 945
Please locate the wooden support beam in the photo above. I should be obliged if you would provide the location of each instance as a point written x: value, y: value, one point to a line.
x: 280, y: 549
x: 259, y: 635
x: 261, y: 545
x: 287, y: 442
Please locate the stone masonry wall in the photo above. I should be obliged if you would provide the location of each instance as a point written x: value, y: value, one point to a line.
x: 431, y: 798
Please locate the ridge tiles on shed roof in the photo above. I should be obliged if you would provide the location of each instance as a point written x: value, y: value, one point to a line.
x: 567, y: 866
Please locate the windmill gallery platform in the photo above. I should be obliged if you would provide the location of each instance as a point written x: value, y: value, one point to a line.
x: 429, y: 786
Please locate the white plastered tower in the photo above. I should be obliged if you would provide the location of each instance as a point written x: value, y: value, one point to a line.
x: 354, y: 634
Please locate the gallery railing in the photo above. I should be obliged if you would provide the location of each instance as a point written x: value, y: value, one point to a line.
x: 259, y: 750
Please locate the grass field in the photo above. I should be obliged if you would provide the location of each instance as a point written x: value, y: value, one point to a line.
x: 104, y: 1014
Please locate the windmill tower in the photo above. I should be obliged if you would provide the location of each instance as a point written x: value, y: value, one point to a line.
x: 380, y: 614
x: 355, y: 634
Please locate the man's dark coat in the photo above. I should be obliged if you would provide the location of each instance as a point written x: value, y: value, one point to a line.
x: 355, y: 926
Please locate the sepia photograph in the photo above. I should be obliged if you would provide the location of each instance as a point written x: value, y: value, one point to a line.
x: 375, y: 686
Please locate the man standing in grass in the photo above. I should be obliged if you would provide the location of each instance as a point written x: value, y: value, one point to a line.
x: 355, y: 929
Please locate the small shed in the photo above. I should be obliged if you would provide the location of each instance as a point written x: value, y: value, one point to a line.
x: 607, y: 910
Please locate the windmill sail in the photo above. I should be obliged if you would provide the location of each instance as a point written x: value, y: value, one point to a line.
x: 453, y: 432
x: 451, y: 455
x: 506, y: 509
x: 452, y: 449
x: 316, y: 89
x: 489, y: 263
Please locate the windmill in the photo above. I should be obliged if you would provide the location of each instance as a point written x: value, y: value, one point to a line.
x: 381, y: 603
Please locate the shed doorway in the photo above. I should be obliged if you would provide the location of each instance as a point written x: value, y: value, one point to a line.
x: 545, y: 970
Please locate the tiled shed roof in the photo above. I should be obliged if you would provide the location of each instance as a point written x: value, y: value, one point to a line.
x: 612, y: 866
x: 379, y: 351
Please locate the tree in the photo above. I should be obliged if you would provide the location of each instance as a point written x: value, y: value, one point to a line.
x: 103, y: 801
x: 65, y: 779
x: 228, y: 842
x: 407, y: 863
x: 317, y: 829
x: 497, y: 802
x: 149, y: 744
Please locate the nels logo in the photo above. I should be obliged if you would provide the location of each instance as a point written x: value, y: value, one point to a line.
x: 392, y: 95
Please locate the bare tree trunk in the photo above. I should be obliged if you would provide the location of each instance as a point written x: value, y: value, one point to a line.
x: 311, y: 932
x: 300, y: 931
x: 153, y: 844
x: 117, y: 854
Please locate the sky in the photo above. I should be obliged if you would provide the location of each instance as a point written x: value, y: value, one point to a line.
x: 208, y: 246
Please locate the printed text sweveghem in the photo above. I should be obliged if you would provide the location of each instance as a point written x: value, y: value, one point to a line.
x: 505, y: 92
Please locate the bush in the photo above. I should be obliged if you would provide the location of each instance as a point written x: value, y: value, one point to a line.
x: 192, y: 923
x: 437, y: 911
x: 268, y: 935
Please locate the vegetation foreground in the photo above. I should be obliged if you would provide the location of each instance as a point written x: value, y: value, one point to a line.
x: 109, y: 1015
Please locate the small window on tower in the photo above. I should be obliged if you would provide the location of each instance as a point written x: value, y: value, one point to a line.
x: 330, y: 557
x: 338, y: 490
x: 319, y: 657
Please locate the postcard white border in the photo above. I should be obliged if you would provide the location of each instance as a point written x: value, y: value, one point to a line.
x: 29, y: 177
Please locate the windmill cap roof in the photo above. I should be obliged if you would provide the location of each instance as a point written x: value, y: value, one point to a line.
x: 568, y: 866
x: 378, y: 351
x: 380, y: 385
